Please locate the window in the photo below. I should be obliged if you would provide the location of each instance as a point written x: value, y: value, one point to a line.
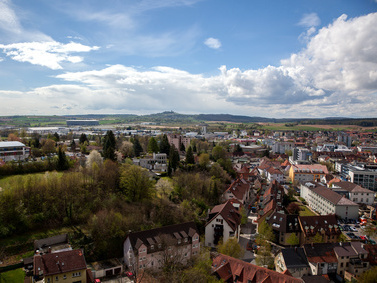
x: 48, y: 280
x: 179, y: 241
x: 152, y: 247
x: 56, y: 278
x: 76, y: 274
x: 64, y: 276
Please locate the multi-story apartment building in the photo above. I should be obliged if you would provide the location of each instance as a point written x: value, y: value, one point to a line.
x: 307, y: 173
x: 352, y: 258
x: 354, y: 192
x: 326, y: 201
x: 13, y: 151
x: 360, y: 174
x: 158, y: 247
x: 177, y: 140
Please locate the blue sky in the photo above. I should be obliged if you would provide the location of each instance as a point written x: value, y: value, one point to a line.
x: 267, y: 58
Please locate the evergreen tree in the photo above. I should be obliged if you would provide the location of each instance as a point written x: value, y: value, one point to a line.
x: 137, y: 147
x: 182, y: 147
x: 109, y: 146
x: 173, y: 157
x: 190, y: 156
x: 62, y: 160
x: 194, y: 148
x: 164, y: 145
x: 152, y: 145
x: 56, y: 137
x: 83, y: 138
x: 73, y: 146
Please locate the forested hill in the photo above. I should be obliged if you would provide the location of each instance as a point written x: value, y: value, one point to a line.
x: 168, y: 117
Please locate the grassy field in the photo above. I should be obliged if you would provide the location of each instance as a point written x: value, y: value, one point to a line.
x: 13, y: 276
x: 283, y: 127
x: 11, y: 181
x: 304, y: 211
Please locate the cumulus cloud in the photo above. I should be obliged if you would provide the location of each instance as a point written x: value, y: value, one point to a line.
x: 213, y: 43
x: 48, y: 54
x: 310, y: 20
x: 334, y: 75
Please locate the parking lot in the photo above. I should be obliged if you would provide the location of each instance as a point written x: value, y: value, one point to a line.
x: 354, y: 231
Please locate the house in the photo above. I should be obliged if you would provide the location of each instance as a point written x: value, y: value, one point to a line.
x: 294, y: 260
x: 351, y: 258
x: 284, y: 225
x: 157, y: 162
x: 326, y: 201
x: 354, y: 192
x: 271, y: 200
x: 307, y: 173
x: 239, y: 189
x: 230, y: 269
x: 13, y: 151
x: 156, y: 247
x: 321, y: 257
x: 177, y: 140
x: 324, y: 226
x: 271, y: 170
x: 224, y: 222
x: 65, y: 266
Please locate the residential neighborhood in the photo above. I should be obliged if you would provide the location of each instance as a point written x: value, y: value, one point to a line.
x: 288, y: 211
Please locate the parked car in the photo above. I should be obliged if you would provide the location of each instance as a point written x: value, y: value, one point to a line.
x: 129, y: 274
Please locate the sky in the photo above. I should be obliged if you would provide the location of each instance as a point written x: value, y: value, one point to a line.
x: 268, y: 58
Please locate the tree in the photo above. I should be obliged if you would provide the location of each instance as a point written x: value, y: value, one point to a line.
x: 266, y: 232
x: 201, y: 269
x: 204, y: 160
x: 231, y: 248
x: 109, y: 146
x: 152, y: 145
x: 190, y: 156
x: 94, y: 157
x: 293, y: 240
x: 137, y: 147
x: 238, y: 149
x: 368, y: 276
x: 48, y: 146
x: 264, y: 257
x: 342, y: 238
x: 56, y: 137
x: 173, y: 157
x: 62, y: 160
x: 293, y: 208
x: 370, y: 230
x: 165, y: 145
x: 218, y: 152
x: 73, y: 146
x: 13, y: 137
x: 182, y: 147
x: 135, y: 183
x: 127, y: 149
x: 83, y: 138
x: 243, y: 215
x: 317, y: 238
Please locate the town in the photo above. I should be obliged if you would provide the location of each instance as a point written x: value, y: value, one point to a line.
x: 94, y: 202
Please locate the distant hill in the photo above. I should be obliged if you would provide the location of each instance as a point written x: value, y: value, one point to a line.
x: 176, y: 118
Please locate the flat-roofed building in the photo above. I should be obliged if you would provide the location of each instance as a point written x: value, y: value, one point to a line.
x: 13, y: 151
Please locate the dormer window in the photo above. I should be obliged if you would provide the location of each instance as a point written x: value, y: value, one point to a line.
x: 159, y: 246
x: 152, y: 247
x: 185, y: 240
x: 179, y: 241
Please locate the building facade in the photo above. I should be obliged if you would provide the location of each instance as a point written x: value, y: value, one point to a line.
x: 13, y: 151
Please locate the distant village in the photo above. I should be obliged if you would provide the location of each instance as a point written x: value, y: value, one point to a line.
x: 281, y: 206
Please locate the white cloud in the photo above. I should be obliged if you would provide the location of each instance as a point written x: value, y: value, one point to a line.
x: 310, y: 20
x: 48, y: 54
x: 213, y: 43
x: 335, y: 75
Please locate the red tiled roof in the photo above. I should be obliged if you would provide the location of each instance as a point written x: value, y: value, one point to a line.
x: 228, y: 213
x: 59, y: 262
x: 243, y: 272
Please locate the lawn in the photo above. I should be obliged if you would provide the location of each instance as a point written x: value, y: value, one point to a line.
x: 13, y: 276
x: 14, y: 180
x: 304, y: 211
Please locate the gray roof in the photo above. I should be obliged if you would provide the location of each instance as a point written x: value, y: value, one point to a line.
x: 294, y: 258
x: 48, y: 242
x: 11, y: 144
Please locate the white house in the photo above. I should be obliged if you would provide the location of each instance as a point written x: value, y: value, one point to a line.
x: 224, y: 222
x: 354, y: 192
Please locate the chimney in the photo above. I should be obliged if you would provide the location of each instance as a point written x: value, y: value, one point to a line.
x: 49, y: 250
x: 312, y: 245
